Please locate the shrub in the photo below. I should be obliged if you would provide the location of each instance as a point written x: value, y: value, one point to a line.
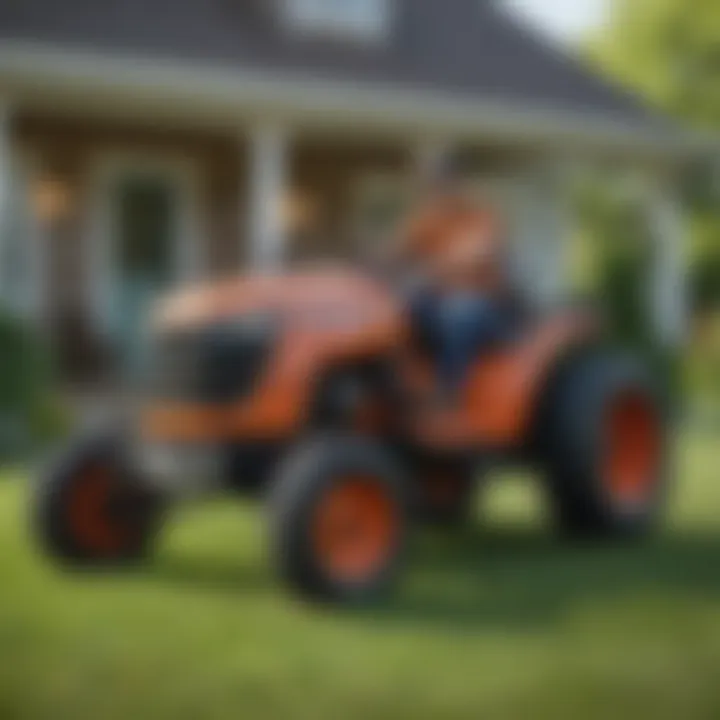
x: 30, y: 412
x: 613, y: 222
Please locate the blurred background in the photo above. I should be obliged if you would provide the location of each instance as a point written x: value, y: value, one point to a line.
x: 147, y: 145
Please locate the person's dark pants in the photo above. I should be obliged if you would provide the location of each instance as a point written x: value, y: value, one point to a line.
x: 460, y: 326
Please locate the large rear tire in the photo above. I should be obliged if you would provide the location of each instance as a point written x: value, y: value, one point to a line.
x: 339, y: 520
x: 90, y: 510
x: 606, y: 449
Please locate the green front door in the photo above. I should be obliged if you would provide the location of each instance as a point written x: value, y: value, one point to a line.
x: 146, y: 239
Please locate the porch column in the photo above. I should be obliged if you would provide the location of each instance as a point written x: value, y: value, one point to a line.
x: 5, y: 190
x: 268, y: 171
x: 668, y: 291
x: 545, y: 226
x: 428, y: 155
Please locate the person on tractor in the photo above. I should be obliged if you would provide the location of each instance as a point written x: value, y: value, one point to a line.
x: 455, y: 249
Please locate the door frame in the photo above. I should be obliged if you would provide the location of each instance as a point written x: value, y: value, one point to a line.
x: 33, y: 298
x: 182, y: 175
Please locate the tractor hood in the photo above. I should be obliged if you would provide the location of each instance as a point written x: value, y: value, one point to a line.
x: 332, y: 294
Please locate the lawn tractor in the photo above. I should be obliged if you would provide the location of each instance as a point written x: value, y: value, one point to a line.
x: 314, y: 392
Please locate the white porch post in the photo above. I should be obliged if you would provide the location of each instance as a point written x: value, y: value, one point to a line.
x: 5, y: 190
x: 268, y: 171
x: 545, y: 226
x: 428, y: 155
x: 668, y: 294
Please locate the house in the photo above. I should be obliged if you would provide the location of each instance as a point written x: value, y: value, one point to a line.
x: 145, y: 143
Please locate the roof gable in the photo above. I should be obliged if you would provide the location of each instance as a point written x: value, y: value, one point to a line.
x: 465, y: 47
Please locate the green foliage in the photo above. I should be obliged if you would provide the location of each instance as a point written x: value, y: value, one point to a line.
x: 668, y: 51
x: 29, y: 412
x: 614, y: 225
x: 702, y: 367
x: 705, y: 267
x: 616, y: 232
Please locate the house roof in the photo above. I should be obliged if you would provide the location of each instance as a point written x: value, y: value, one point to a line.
x: 462, y: 67
x: 464, y: 46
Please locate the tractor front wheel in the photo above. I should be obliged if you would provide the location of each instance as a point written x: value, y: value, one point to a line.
x: 339, y: 520
x: 89, y: 509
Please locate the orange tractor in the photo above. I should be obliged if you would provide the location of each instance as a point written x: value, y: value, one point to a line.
x: 313, y: 390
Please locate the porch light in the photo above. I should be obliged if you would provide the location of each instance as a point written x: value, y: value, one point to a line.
x: 51, y: 199
x: 300, y: 211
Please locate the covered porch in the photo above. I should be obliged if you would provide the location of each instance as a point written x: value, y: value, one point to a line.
x: 100, y: 212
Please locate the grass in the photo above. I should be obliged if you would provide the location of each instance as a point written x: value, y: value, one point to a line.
x: 499, y: 621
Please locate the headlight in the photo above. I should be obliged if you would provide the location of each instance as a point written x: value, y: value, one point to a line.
x: 216, y: 364
x: 235, y: 356
x: 249, y: 328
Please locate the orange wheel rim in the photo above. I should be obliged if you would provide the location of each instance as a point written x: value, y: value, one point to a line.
x: 89, y: 512
x: 354, y: 529
x: 633, y: 449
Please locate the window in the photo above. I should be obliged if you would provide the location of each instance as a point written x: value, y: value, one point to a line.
x: 367, y: 20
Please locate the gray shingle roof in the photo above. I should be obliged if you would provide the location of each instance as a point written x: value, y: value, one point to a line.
x: 467, y: 47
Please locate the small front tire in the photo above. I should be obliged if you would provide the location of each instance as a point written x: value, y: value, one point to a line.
x: 339, y: 520
x: 90, y: 510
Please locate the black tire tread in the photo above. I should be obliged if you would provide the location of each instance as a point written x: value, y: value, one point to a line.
x: 305, y: 472
x: 571, y: 449
x: 49, y: 508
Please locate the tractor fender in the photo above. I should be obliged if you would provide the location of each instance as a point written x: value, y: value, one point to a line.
x: 507, y: 389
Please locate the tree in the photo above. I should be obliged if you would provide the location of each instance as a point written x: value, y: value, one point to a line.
x: 668, y: 51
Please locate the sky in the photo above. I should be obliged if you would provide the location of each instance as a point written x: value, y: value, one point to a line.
x: 563, y: 19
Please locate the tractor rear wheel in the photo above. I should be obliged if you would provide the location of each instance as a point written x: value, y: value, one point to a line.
x: 606, y: 449
x: 339, y: 520
x: 90, y: 510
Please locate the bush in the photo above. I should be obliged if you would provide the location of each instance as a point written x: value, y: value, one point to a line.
x: 705, y: 283
x: 613, y: 222
x: 30, y: 412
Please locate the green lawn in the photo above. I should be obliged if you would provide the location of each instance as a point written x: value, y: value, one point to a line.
x: 494, y: 622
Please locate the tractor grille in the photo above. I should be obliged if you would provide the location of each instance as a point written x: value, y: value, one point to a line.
x: 213, y: 365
